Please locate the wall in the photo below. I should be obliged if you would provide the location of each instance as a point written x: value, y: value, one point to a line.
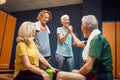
x: 110, y: 10
x: 93, y: 7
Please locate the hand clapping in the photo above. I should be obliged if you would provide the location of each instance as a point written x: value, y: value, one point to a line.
x: 70, y: 28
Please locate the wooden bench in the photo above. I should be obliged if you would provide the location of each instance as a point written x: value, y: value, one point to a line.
x: 6, y: 74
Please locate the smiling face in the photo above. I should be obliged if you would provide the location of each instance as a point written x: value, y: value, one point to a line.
x: 65, y: 21
x: 45, y: 18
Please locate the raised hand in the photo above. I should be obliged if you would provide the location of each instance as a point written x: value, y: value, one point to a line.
x: 70, y: 29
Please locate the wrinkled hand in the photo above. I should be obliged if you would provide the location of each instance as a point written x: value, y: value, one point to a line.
x: 45, y: 76
x: 75, y: 71
x: 74, y: 43
x: 53, y: 69
x: 70, y: 29
x: 57, y: 69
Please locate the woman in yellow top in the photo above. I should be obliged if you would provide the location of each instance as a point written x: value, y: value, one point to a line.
x: 27, y: 56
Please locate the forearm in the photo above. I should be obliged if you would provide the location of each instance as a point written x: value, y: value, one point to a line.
x: 39, y: 72
x: 88, y: 66
x: 45, y: 62
x: 35, y: 69
x: 84, y: 70
x: 77, y: 41
x: 63, y: 38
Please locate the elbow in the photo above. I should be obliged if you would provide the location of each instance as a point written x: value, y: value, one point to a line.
x: 88, y: 69
x: 80, y: 44
x: 85, y: 70
x: 28, y: 66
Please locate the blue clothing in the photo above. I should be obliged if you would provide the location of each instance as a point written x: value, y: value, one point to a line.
x: 64, y: 52
x: 69, y: 61
x: 65, y: 48
x: 42, y: 40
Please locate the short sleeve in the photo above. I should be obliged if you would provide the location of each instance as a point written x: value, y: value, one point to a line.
x: 37, y: 25
x: 96, y: 48
x: 21, y: 49
x: 59, y: 30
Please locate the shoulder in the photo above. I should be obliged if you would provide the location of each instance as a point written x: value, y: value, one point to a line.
x: 21, y: 44
x: 32, y: 41
x: 59, y: 28
x: 98, y: 38
x: 37, y: 25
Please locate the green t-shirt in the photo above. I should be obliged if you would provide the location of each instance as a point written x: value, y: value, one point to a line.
x: 100, y: 49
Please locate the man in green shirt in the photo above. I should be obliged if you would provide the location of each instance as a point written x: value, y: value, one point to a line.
x: 97, y: 52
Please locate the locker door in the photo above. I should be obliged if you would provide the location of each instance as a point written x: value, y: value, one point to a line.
x: 108, y: 30
x: 8, y: 41
x: 2, y: 27
x: 118, y: 47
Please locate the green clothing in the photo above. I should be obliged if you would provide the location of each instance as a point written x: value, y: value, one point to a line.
x: 100, y: 49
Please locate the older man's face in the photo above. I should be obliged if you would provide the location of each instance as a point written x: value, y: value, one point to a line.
x: 83, y: 27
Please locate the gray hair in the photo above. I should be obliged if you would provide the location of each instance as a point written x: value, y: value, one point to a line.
x: 64, y: 16
x: 90, y: 21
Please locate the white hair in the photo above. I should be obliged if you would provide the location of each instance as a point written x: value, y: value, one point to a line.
x: 64, y: 16
x: 90, y: 21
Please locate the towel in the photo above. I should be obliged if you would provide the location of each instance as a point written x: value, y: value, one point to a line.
x: 38, y: 26
x: 86, y: 49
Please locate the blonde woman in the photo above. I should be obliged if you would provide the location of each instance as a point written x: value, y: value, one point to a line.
x: 27, y: 55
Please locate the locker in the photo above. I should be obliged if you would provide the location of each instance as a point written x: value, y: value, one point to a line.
x: 108, y: 30
x: 2, y: 27
x: 111, y: 31
x: 118, y: 48
x: 7, y: 42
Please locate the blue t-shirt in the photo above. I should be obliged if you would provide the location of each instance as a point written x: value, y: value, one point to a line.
x: 65, y: 48
x: 42, y: 40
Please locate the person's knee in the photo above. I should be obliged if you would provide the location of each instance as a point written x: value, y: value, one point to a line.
x: 83, y: 78
x: 59, y: 75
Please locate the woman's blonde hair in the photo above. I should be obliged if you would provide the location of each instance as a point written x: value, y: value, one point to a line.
x: 41, y: 13
x: 25, y: 32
